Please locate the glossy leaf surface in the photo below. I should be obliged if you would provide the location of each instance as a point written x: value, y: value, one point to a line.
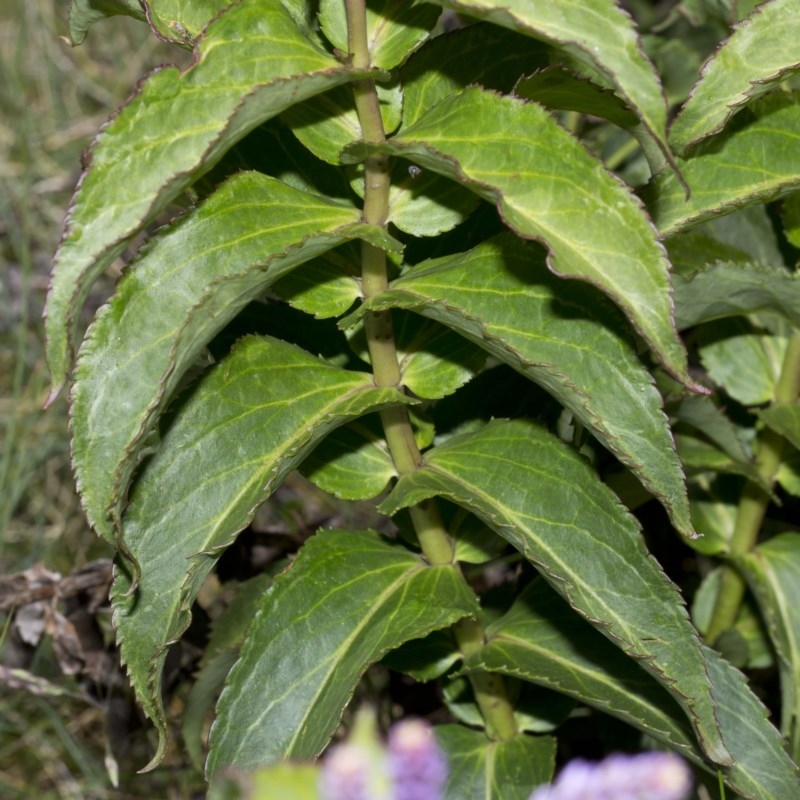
x: 773, y: 572
x: 352, y: 463
x: 750, y: 62
x: 183, y: 123
x: 181, y: 21
x: 698, y: 455
x: 190, y: 281
x: 328, y: 123
x: 227, y: 632
x: 558, y: 88
x: 707, y: 417
x: 480, y: 769
x: 547, y: 187
x: 392, y: 34
x: 743, y: 358
x: 347, y: 599
x: 597, y: 33
x: 540, y: 639
x: 326, y: 287
x: 728, y: 289
x: 434, y: 361
x: 763, y: 770
x: 483, y: 54
x: 754, y: 160
x: 573, y: 529
x: 249, y: 422
x: 501, y: 296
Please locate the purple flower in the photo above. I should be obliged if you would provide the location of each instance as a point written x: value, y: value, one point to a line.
x: 345, y: 774
x: 417, y: 767
x: 410, y: 767
x: 647, y: 776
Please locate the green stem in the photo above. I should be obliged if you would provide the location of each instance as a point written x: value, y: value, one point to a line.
x: 754, y: 500
x: 437, y: 545
x: 489, y: 687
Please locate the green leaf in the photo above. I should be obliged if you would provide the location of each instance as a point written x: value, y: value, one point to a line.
x: 555, y: 87
x: 480, y: 769
x: 249, y: 422
x: 180, y: 21
x: 751, y: 62
x: 701, y: 12
x: 715, y: 443
x: 167, y: 308
x: 351, y: 463
x: 434, y: 361
x: 785, y: 420
x: 693, y: 251
x: 393, y: 32
x: 501, y: 296
x: 328, y: 123
x: 174, y: 129
x: 559, y: 88
x: 424, y: 203
x: 84, y: 13
x: 220, y: 655
x: 573, y: 529
x: 773, y: 572
x: 754, y: 160
x: 714, y: 515
x: 763, y: 770
x: 790, y: 216
x: 598, y: 34
x: 728, y: 289
x: 749, y: 229
x: 326, y: 287
x: 274, y: 150
x: 536, y: 710
x: 742, y: 358
x: 746, y: 645
x: 699, y: 455
x: 476, y: 543
x: 492, y: 57
x: 548, y: 187
x: 425, y: 659
x: 540, y: 639
x: 200, y: 701
x: 705, y: 416
x: 228, y: 629
x: 360, y: 596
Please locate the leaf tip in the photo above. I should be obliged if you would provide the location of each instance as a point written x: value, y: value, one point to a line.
x: 55, y: 391
x: 158, y: 757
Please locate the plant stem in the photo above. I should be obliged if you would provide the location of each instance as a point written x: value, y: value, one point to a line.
x: 754, y: 500
x: 435, y: 542
x: 489, y: 687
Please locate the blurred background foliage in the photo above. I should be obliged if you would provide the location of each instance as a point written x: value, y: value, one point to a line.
x: 55, y: 740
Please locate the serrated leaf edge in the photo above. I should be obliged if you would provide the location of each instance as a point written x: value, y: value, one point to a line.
x: 182, y: 613
x: 580, y: 402
x: 740, y: 100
